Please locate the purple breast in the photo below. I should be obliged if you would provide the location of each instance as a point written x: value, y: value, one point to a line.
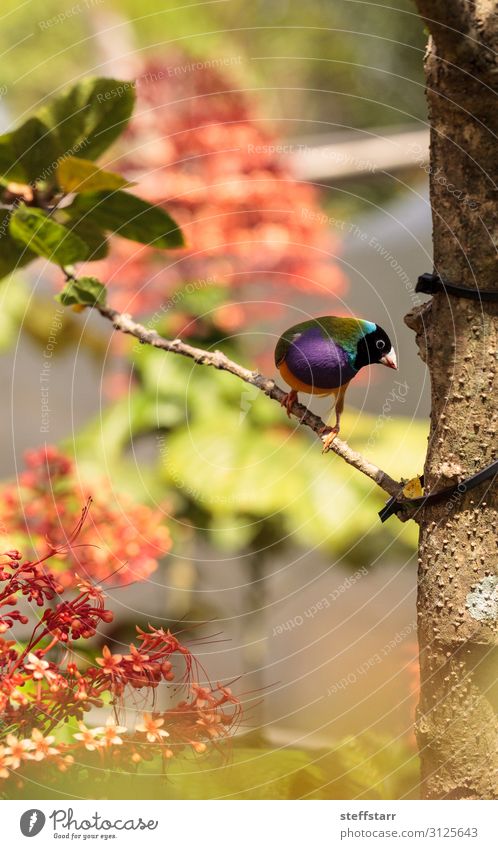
x: 318, y: 361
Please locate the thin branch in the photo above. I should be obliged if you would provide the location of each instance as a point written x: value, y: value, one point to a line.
x: 125, y: 323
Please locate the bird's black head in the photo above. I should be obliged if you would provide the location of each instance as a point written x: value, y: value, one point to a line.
x: 375, y: 347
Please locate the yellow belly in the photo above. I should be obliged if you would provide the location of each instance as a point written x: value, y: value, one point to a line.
x: 299, y: 386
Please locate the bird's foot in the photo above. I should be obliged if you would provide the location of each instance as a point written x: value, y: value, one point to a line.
x: 327, y: 435
x: 288, y: 400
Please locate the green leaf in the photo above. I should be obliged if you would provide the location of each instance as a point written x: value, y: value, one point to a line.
x: 28, y: 153
x: 98, y: 246
x: 15, y: 301
x: 370, y: 766
x: 12, y: 255
x: 10, y: 166
x: 46, y: 237
x: 251, y: 774
x: 87, y: 117
x: 130, y: 217
x: 231, y: 533
x: 81, y: 175
x: 83, y: 291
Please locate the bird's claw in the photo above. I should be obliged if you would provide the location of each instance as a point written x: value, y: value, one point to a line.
x: 328, y: 434
x: 288, y: 400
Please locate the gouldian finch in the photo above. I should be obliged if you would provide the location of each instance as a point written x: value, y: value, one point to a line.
x: 323, y: 355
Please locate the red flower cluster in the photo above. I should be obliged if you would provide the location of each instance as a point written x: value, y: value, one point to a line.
x: 209, y: 715
x: 196, y: 146
x: 119, y: 536
x: 147, y: 665
x: 42, y: 686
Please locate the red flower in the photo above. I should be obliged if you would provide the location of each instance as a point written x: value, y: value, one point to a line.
x: 200, y: 149
x: 118, y: 538
x: 41, y: 690
x: 110, y: 663
x: 110, y: 733
x: 17, y: 751
x: 39, y: 668
x: 152, y: 727
x: 42, y: 746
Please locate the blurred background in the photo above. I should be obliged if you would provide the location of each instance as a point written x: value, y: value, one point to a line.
x: 291, y: 143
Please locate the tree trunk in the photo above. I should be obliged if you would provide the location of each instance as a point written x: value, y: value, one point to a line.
x: 457, y: 725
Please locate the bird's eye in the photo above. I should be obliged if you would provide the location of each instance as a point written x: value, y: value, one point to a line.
x: 380, y: 344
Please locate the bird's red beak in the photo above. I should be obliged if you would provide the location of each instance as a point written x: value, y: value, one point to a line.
x: 390, y: 359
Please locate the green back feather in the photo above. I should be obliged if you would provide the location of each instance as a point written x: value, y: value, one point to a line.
x: 345, y: 331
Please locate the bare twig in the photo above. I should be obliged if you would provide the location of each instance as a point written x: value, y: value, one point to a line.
x: 125, y: 323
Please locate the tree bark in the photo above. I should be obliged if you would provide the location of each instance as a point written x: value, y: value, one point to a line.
x: 457, y: 726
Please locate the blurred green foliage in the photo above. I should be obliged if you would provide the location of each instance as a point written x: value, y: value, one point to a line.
x: 366, y: 767
x: 321, y: 65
